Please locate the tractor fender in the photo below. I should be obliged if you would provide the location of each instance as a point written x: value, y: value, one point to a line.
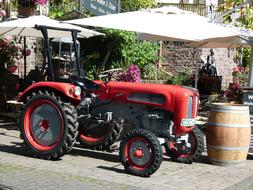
x: 65, y: 89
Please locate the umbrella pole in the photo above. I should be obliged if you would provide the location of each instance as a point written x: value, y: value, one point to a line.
x: 197, y: 68
x: 250, y: 80
x: 24, y: 52
x: 74, y: 37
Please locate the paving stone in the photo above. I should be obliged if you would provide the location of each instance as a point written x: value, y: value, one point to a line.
x: 86, y: 169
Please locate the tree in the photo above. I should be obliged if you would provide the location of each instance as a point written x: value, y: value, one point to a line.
x: 126, y: 49
x: 243, y: 18
x: 133, y: 5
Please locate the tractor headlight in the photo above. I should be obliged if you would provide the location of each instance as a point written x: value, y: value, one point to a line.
x: 77, y: 91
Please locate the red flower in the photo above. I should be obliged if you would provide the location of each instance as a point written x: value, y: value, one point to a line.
x: 12, y: 69
x: 236, y: 69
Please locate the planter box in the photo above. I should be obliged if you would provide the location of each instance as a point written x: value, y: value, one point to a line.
x: 209, y: 85
x: 8, y: 89
x: 26, y: 11
x: 155, y: 81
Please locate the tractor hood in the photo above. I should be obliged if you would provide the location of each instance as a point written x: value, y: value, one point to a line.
x: 160, y: 95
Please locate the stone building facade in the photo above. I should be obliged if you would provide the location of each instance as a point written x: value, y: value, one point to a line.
x: 178, y: 57
x: 225, y: 62
x: 34, y: 59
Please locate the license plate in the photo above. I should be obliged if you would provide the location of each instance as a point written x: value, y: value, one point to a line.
x: 187, y: 122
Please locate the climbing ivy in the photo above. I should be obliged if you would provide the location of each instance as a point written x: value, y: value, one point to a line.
x: 133, y: 5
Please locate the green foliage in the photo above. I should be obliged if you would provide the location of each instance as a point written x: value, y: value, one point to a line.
x: 181, y: 78
x: 133, y: 5
x: 62, y: 7
x: 151, y: 72
x: 240, y: 75
x: 245, y: 21
x: 14, y: 4
x: 246, y: 56
x: 90, y: 66
x: 126, y: 50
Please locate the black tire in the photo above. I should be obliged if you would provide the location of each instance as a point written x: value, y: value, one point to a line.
x: 146, y: 164
x: 196, y: 139
x: 100, y: 137
x: 43, y: 110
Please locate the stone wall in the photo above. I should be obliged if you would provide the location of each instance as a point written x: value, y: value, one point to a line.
x: 34, y: 59
x: 224, y: 59
x: 178, y: 57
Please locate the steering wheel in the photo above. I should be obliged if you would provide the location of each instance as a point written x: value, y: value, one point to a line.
x: 111, y: 73
x: 84, y: 82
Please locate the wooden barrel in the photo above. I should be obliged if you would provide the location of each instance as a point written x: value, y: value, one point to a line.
x: 228, y: 134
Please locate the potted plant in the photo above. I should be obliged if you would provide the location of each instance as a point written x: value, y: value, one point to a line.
x: 10, y: 53
x: 28, y: 7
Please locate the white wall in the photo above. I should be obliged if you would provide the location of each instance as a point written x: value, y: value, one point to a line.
x: 100, y: 7
x: 212, y: 2
x: 208, y: 2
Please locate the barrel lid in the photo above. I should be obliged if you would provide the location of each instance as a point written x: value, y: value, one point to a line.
x: 230, y: 106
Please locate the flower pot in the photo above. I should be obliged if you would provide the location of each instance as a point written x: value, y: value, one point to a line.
x: 26, y: 11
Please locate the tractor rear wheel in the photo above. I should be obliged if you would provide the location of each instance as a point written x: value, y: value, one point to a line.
x: 100, y: 136
x: 140, y: 153
x: 180, y: 152
x: 48, y: 125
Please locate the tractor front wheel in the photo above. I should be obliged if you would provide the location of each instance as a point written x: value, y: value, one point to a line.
x: 48, y: 125
x: 186, y: 152
x: 140, y: 153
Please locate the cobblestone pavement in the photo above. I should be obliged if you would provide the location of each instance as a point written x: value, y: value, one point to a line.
x: 84, y: 169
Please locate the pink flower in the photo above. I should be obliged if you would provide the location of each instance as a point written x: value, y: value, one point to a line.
x: 12, y: 69
x: 40, y: 2
x: 132, y: 74
x: 4, y: 42
x: 27, y: 53
x: 235, y: 70
x: 31, y: 2
x: 17, y: 87
x: 2, y: 13
x: 236, y: 85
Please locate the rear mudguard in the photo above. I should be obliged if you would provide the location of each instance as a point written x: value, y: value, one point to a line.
x: 66, y: 89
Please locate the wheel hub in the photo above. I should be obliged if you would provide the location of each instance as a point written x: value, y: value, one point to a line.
x: 140, y: 153
x: 44, y: 125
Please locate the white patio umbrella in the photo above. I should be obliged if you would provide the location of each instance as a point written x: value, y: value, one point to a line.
x: 241, y: 37
x: 26, y: 27
x: 169, y: 24
x: 166, y: 23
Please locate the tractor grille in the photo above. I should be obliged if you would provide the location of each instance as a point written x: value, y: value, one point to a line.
x: 196, y: 106
x: 190, y: 107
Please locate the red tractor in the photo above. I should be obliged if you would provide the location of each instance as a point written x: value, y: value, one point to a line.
x: 143, y: 117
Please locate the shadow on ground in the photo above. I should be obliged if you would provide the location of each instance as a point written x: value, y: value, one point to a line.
x: 95, y: 154
x: 114, y: 169
x: 16, y: 148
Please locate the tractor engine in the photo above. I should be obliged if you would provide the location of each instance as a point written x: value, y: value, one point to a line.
x: 97, y: 131
x: 158, y: 121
